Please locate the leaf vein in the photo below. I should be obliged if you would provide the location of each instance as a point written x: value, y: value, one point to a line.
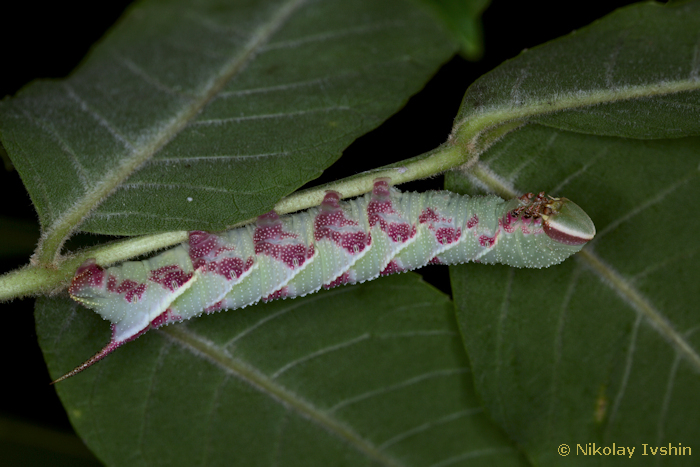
x: 667, y: 399
x: 500, y: 331
x: 400, y: 385
x: 683, y: 254
x: 628, y: 370
x: 151, y: 215
x: 164, y: 349
x: 428, y: 425
x: 207, y: 448
x: 223, y: 121
x: 337, y: 34
x: 217, y: 158
x: 319, y: 353
x: 75, y: 162
x: 103, y: 122
x: 557, y: 350
x: 152, y: 80
x: 295, y: 304
x: 574, y: 175
x: 640, y: 208
x: 279, y: 87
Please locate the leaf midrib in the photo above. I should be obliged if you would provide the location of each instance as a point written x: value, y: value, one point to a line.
x: 48, y: 251
x: 472, y: 127
x: 250, y: 375
x: 612, y: 278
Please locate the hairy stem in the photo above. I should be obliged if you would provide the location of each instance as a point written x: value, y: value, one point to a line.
x: 480, y: 129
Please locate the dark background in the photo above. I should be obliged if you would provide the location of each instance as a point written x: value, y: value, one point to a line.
x: 49, y: 40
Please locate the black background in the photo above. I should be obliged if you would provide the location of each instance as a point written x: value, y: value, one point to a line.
x: 49, y: 40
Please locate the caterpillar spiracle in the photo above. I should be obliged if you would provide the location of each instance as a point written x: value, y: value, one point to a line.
x: 380, y: 233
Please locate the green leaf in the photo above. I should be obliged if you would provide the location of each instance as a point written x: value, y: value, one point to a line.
x: 367, y: 375
x: 603, y: 349
x: 463, y: 20
x: 634, y: 73
x: 197, y: 116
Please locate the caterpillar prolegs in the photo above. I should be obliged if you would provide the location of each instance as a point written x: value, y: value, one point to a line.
x: 347, y: 242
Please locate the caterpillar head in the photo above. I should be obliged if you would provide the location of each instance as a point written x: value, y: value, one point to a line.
x: 562, y: 220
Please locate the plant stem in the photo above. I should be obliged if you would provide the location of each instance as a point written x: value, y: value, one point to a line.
x: 479, y: 129
x: 431, y: 163
x: 36, y: 279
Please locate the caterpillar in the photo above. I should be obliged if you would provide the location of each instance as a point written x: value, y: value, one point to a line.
x: 383, y: 232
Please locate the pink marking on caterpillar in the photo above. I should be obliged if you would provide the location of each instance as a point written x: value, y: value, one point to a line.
x: 205, y: 248
x: 332, y: 223
x: 170, y: 277
x: 443, y: 228
x: 129, y: 288
x: 488, y: 242
x: 270, y: 239
x: 89, y: 274
x: 381, y: 211
x: 281, y: 293
x: 392, y: 268
x: 218, y: 306
x: 342, y: 279
x: 165, y: 318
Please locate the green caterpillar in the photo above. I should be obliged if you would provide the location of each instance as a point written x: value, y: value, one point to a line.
x: 348, y: 242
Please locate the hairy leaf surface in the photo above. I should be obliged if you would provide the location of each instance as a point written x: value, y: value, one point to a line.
x: 367, y: 375
x: 198, y: 115
x: 633, y: 73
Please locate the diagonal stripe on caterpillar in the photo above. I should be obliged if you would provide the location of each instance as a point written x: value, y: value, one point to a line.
x: 383, y: 232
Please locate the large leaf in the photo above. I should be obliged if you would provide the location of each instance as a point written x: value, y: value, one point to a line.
x: 200, y: 114
x: 367, y: 375
x: 634, y: 73
x: 603, y: 349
